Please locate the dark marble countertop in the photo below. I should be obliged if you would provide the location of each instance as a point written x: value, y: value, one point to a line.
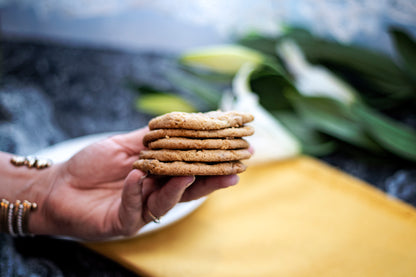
x: 51, y: 93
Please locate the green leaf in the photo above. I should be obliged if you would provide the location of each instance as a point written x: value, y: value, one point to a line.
x: 313, y: 142
x: 392, y: 90
x: 276, y: 67
x: 332, y: 118
x: 147, y: 89
x: 406, y: 47
x: 207, y: 75
x: 360, y: 58
x: 270, y: 89
x: 362, y: 66
x: 225, y: 59
x: 393, y: 136
x: 270, y: 86
x: 264, y: 44
x: 160, y: 103
x: 192, y: 84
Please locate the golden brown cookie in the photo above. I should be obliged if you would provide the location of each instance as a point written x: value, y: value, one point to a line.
x: 200, y: 121
x: 166, y: 155
x: 187, y: 143
x: 156, y: 167
x: 222, y: 133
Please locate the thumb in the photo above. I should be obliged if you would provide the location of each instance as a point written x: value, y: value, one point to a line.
x: 130, y: 211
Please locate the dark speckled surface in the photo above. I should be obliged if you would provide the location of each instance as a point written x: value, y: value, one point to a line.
x: 51, y: 93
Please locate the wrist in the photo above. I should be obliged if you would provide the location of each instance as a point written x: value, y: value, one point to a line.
x: 23, y: 183
x: 39, y: 188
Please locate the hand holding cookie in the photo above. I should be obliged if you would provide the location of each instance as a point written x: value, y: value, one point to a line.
x: 97, y: 195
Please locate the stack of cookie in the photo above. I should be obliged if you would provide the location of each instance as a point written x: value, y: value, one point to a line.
x: 196, y: 144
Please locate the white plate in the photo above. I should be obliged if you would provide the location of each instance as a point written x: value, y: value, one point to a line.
x: 63, y: 151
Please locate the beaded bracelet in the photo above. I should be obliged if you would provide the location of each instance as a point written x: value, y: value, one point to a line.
x: 14, y: 217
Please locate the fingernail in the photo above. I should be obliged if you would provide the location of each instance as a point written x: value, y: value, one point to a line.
x: 191, y: 182
x: 142, y: 178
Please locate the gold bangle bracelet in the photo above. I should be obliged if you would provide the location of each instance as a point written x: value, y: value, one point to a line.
x: 4, y: 205
x: 14, y: 217
x: 25, y: 219
x: 10, y: 212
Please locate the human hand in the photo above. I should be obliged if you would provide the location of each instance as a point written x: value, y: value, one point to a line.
x: 91, y: 198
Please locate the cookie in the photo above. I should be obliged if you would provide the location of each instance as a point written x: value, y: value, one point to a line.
x: 166, y: 155
x: 200, y: 121
x: 222, y: 133
x: 156, y: 167
x: 188, y: 143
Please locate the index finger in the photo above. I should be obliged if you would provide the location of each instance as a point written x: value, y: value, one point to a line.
x: 205, y: 185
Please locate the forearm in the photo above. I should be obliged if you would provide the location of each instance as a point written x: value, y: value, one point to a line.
x: 23, y: 183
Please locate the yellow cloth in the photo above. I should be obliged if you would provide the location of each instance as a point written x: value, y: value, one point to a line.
x: 298, y: 217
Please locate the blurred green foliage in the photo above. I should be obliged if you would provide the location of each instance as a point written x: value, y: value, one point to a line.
x: 386, y: 86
